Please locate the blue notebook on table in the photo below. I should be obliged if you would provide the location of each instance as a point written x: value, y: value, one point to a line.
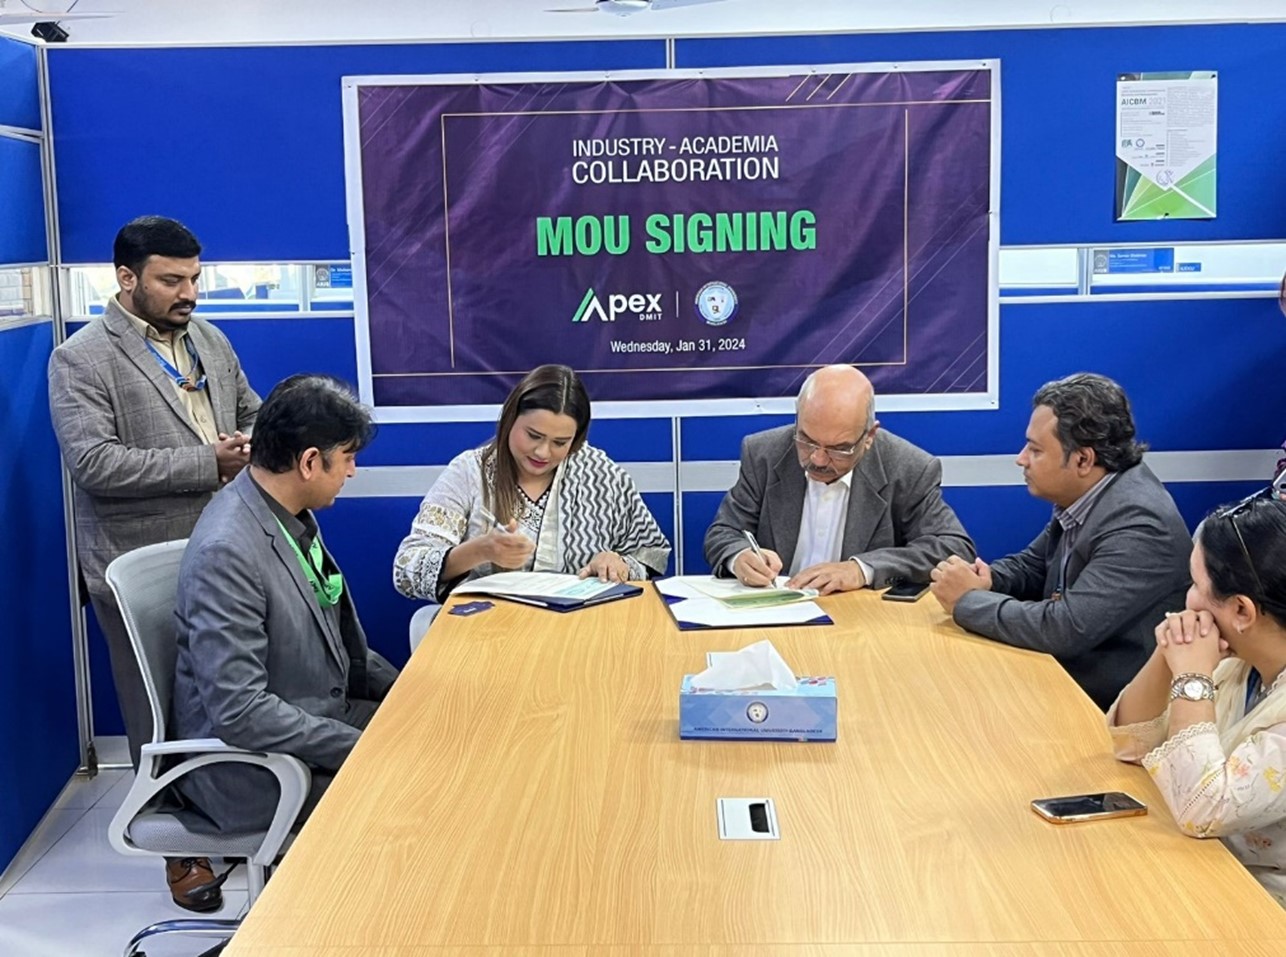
x: 548, y: 590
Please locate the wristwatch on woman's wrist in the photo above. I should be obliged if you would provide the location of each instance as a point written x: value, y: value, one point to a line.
x: 1192, y: 687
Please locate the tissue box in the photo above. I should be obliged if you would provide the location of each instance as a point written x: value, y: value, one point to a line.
x: 806, y: 712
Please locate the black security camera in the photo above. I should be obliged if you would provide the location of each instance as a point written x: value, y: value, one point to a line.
x: 50, y: 32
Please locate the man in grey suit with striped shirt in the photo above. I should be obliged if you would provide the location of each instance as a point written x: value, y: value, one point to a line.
x: 1092, y: 586
x: 153, y: 415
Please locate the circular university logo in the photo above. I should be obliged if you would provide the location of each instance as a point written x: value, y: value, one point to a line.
x: 716, y: 303
x: 757, y: 712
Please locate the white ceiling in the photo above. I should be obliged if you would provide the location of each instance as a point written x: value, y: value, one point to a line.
x: 196, y: 22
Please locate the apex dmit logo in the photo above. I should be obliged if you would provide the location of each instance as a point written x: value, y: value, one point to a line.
x: 645, y: 305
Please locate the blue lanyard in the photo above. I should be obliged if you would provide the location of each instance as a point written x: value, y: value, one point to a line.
x: 185, y: 382
x: 1252, y: 688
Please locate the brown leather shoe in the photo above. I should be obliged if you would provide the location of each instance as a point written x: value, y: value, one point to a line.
x: 193, y: 884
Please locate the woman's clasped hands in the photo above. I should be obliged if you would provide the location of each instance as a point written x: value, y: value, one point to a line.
x: 1190, y: 642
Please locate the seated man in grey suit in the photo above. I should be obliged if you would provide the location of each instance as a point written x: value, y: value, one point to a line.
x: 271, y: 654
x: 832, y: 499
x: 1093, y: 585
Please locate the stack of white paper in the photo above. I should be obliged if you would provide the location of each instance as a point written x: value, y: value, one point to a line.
x: 702, y: 604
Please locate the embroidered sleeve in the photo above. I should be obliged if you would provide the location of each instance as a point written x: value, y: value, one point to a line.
x: 1130, y: 742
x: 440, y: 525
x: 1212, y: 794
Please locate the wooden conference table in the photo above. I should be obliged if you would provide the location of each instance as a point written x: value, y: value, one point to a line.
x: 524, y: 790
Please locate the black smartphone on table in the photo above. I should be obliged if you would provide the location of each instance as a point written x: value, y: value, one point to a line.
x: 1088, y: 807
x: 905, y: 591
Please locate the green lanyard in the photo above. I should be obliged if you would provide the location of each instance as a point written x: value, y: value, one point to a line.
x: 327, y: 592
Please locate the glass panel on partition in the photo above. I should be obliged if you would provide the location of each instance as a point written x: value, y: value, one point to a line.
x: 1209, y: 268
x: 24, y: 292
x: 1030, y: 271
x: 1025, y: 271
x: 235, y: 288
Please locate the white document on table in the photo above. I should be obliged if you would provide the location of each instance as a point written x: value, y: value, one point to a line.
x: 535, y: 585
x: 698, y: 606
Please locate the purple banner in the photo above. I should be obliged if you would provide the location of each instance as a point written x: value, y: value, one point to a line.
x: 677, y: 238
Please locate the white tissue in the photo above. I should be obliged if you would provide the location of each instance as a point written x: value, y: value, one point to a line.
x: 752, y: 668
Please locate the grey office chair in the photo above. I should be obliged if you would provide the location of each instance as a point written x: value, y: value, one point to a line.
x: 145, y: 583
x: 420, y: 622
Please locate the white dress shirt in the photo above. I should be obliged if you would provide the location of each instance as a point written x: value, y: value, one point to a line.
x: 821, y: 526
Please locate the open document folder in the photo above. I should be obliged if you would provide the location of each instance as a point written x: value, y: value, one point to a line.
x: 703, y: 601
x: 548, y: 590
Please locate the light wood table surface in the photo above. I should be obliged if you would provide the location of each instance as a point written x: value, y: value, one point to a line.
x: 524, y: 789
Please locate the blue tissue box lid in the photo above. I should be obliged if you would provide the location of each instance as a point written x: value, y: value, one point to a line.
x: 809, y: 686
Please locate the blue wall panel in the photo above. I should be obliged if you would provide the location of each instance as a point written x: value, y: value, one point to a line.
x: 1200, y: 373
x: 1058, y: 116
x: 38, y: 737
x: 258, y: 169
x: 627, y: 440
x: 19, y: 85
x: 22, y: 202
x: 268, y: 162
x: 106, y: 712
x: 271, y: 349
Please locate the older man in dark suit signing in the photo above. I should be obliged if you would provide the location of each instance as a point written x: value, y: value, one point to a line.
x: 833, y: 500
x: 271, y: 654
x: 1092, y: 586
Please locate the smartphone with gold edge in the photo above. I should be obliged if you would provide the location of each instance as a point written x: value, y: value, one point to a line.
x: 1088, y: 807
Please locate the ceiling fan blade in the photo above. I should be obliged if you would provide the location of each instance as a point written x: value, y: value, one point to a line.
x: 33, y: 17
x: 669, y: 4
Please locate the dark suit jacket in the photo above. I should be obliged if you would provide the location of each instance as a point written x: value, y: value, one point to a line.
x: 141, y: 471
x: 259, y: 664
x: 1128, y: 567
x: 897, y: 521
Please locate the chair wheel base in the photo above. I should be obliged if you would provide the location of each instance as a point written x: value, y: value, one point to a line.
x: 188, y: 928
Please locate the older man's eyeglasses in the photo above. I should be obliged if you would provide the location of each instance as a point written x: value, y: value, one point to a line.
x: 830, y: 451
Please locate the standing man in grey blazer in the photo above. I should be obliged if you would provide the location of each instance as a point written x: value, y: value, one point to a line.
x: 271, y: 654
x: 833, y: 500
x: 152, y: 413
x: 1092, y: 586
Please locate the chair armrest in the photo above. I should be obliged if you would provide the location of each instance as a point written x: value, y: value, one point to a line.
x: 293, y: 778
x: 194, y: 746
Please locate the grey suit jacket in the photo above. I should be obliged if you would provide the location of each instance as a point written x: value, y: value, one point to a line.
x: 897, y: 522
x: 1128, y: 567
x: 259, y: 665
x: 141, y: 471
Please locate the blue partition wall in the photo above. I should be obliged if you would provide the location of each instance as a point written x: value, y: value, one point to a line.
x: 38, y: 736
x: 264, y: 181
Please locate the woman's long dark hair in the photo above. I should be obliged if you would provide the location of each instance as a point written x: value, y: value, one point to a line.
x: 554, y: 388
x: 1244, y: 546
